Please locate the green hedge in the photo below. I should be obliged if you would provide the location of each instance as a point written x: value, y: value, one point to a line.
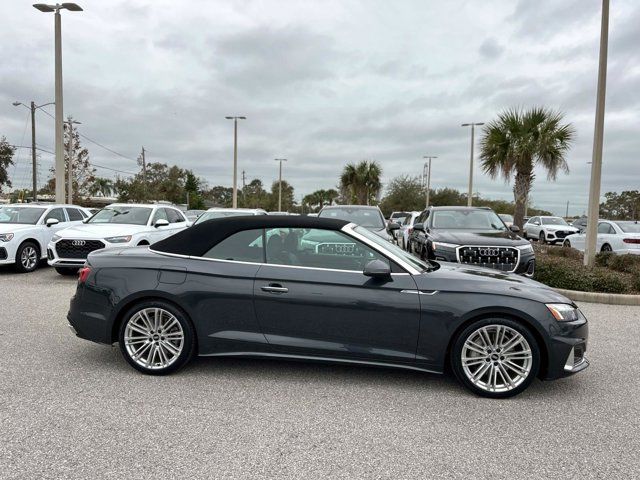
x: 563, y: 268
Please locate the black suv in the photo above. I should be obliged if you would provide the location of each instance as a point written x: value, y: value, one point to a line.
x: 471, y: 235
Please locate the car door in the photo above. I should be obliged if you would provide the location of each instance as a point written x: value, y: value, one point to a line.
x: 57, y: 213
x: 312, y: 299
x: 177, y: 221
x: 158, y: 233
x: 533, y: 227
x: 605, y: 234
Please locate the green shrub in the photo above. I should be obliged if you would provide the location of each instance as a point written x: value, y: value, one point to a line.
x: 603, y: 259
x: 625, y: 263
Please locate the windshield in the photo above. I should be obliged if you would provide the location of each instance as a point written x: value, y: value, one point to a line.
x: 466, y: 220
x: 506, y: 217
x: 365, y: 217
x: 26, y: 215
x: 553, y: 221
x: 394, y: 249
x: 629, y: 227
x: 219, y: 214
x: 125, y: 215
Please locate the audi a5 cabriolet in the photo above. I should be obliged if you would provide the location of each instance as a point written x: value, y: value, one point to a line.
x: 323, y: 290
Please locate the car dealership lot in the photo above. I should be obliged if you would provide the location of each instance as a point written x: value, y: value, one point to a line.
x: 75, y: 409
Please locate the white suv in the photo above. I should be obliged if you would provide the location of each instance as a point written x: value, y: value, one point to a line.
x: 118, y: 225
x: 547, y: 229
x: 27, y: 228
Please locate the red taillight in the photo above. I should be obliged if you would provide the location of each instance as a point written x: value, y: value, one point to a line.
x: 410, y: 230
x: 631, y: 240
x: 83, y: 274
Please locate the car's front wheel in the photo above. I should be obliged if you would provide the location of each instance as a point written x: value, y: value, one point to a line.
x: 27, y: 257
x: 156, y: 337
x: 496, y: 358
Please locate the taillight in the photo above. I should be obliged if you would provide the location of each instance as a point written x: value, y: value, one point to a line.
x: 631, y: 240
x: 410, y: 230
x: 83, y: 274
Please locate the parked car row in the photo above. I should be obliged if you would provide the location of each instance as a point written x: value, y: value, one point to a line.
x: 619, y: 237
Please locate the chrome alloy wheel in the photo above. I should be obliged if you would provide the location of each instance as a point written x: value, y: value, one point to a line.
x: 29, y: 257
x: 153, y: 338
x: 496, y: 358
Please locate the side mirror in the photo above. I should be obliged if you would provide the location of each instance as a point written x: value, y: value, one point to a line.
x: 514, y: 228
x: 419, y: 227
x: 377, y: 269
x: 392, y: 227
x: 51, y: 222
x: 161, y: 222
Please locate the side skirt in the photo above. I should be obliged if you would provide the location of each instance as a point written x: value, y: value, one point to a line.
x: 321, y: 359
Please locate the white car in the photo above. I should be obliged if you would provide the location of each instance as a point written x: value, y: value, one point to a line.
x: 118, y: 225
x: 27, y: 228
x: 406, y: 228
x: 619, y: 237
x: 217, y: 212
x: 547, y: 229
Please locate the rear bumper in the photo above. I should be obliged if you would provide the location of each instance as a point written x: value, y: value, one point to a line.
x: 86, y: 320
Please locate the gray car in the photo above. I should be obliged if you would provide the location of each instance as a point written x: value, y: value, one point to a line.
x: 366, y: 216
x: 253, y: 286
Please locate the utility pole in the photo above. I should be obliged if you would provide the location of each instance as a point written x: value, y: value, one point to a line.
x: 70, y: 154
x: 566, y: 213
x: 470, y: 193
x: 427, y: 167
x: 59, y: 115
x: 596, y: 162
x: 234, y: 202
x: 144, y: 172
x: 280, y: 183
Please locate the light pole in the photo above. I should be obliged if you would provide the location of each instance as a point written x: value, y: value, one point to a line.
x: 470, y: 194
x: 596, y: 159
x: 70, y: 154
x: 280, y: 183
x: 33, y: 107
x: 427, y: 167
x: 235, y: 158
x: 73, y: 7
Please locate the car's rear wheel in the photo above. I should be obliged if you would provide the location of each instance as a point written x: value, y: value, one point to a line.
x: 606, y: 248
x: 67, y: 271
x: 156, y: 337
x: 496, y: 358
x: 27, y: 257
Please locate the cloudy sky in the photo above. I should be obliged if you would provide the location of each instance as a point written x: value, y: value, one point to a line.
x: 324, y: 83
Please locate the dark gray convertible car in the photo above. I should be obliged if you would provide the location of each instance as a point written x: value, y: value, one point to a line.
x: 323, y: 290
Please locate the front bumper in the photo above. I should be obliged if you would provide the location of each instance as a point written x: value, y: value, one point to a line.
x: 7, y: 253
x: 558, y: 236
x: 567, y: 348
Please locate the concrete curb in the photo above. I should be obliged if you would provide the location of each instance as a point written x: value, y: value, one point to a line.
x: 606, y: 298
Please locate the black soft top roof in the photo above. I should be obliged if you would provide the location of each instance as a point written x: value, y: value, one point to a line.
x: 197, y: 240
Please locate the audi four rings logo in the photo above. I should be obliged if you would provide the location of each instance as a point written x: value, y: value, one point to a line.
x: 78, y: 243
x: 489, y: 252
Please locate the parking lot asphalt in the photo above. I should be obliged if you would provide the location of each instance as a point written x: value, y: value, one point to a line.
x: 73, y: 409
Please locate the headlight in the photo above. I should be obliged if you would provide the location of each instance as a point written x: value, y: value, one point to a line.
x: 6, y: 237
x: 437, y: 245
x: 563, y: 312
x: 122, y: 239
x: 55, y: 238
x: 525, y: 248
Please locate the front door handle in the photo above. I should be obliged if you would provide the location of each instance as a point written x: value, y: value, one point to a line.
x: 274, y: 288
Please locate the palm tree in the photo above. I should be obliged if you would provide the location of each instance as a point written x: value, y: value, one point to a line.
x: 362, y: 181
x: 102, y: 186
x: 519, y: 140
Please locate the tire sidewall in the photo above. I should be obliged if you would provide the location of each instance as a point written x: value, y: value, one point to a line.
x: 456, y: 351
x: 18, y: 265
x: 188, y: 349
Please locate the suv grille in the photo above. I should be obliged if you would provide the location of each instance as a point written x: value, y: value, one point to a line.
x: 562, y: 233
x: 77, y: 248
x: 504, y: 259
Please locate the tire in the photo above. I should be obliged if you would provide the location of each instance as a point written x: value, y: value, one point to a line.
x: 606, y: 248
x: 67, y: 271
x: 541, y: 238
x: 522, y: 368
x: 143, y: 243
x: 156, y: 352
x: 27, y: 257
x: 566, y: 244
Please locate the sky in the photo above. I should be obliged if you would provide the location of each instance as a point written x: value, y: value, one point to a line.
x: 323, y: 83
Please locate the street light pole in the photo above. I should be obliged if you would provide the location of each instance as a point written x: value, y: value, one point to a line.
x: 427, y: 165
x: 280, y: 183
x: 596, y: 162
x: 33, y: 107
x: 59, y: 115
x: 234, y: 201
x: 470, y: 194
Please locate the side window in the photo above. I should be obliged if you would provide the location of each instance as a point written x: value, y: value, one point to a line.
x: 245, y: 246
x: 317, y: 248
x: 74, y: 214
x: 57, y: 213
x: 174, y: 216
x: 605, y: 228
x: 534, y: 221
x: 160, y: 214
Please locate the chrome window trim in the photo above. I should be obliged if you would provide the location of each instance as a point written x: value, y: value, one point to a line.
x: 488, y: 246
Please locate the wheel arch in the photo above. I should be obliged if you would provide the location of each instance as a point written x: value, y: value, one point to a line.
x: 514, y: 315
x: 36, y: 242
